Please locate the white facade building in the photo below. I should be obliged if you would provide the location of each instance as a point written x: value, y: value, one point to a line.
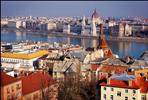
x: 51, y: 26
x: 93, y: 28
x: 83, y: 26
x: 18, y: 24
x: 25, y: 59
x: 11, y: 24
x: 66, y: 29
x: 124, y: 87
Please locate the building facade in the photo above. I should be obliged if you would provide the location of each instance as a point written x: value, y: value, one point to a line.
x: 11, y: 88
x: 26, y: 59
x: 124, y: 88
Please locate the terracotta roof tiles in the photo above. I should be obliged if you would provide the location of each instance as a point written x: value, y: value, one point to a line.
x: 6, y: 79
x: 35, y: 81
x: 138, y: 83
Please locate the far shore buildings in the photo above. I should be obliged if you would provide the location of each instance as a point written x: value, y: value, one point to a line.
x: 34, y: 25
x: 121, y: 30
x: 91, y: 29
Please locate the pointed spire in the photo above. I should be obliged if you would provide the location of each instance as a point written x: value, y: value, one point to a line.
x: 102, y: 41
x: 103, y: 44
x: 95, y: 14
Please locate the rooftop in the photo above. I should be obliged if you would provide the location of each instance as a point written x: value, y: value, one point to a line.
x: 117, y: 69
x: 24, y: 56
x: 95, y: 14
x: 35, y: 81
x: 129, y: 82
x: 6, y: 79
x: 124, y: 76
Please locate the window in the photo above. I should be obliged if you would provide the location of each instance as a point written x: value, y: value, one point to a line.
x: 126, y: 98
x: 104, y: 88
x: 134, y: 91
x: 35, y: 96
x: 8, y: 97
x: 104, y: 96
x: 118, y: 93
x: 143, y: 97
x: 17, y: 86
x: 112, y: 89
x: 111, y: 97
x: 28, y: 98
x: 8, y: 90
x: 12, y: 88
x: 55, y: 73
x: 18, y: 94
x: 141, y: 74
x: 133, y: 98
x: 126, y: 91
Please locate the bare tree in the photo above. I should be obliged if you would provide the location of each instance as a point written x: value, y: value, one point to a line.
x: 72, y: 88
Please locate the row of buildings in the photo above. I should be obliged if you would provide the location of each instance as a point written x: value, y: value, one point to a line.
x: 28, y: 25
x: 84, y: 26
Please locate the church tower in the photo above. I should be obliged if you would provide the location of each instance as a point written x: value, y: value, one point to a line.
x: 93, y: 28
x: 103, y: 44
x: 83, y: 26
x: 95, y: 20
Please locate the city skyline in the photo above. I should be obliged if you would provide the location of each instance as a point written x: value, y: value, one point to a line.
x: 74, y: 8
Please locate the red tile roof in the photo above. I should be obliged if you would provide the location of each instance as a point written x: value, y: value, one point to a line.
x: 121, y: 84
x: 35, y: 81
x: 138, y: 83
x: 6, y: 79
x: 94, y: 67
x: 103, y: 45
x: 114, y: 68
x: 109, y: 53
x: 103, y: 76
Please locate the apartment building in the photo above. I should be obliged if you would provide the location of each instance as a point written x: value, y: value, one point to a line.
x: 11, y: 87
x: 124, y: 87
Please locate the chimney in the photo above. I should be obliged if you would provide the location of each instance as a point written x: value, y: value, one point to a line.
x: 130, y: 83
x: 108, y: 81
x: 27, y: 73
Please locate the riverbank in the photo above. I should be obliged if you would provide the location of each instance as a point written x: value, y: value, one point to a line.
x: 60, y: 34
x: 128, y: 39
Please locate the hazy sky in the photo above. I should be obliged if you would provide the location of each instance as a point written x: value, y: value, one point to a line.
x: 74, y: 8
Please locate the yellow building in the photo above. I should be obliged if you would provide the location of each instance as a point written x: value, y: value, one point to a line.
x: 142, y: 72
x: 23, y: 58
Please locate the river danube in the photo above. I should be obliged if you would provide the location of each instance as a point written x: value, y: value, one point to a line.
x: 121, y: 48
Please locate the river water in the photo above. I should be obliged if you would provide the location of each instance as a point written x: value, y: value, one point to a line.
x: 121, y: 48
